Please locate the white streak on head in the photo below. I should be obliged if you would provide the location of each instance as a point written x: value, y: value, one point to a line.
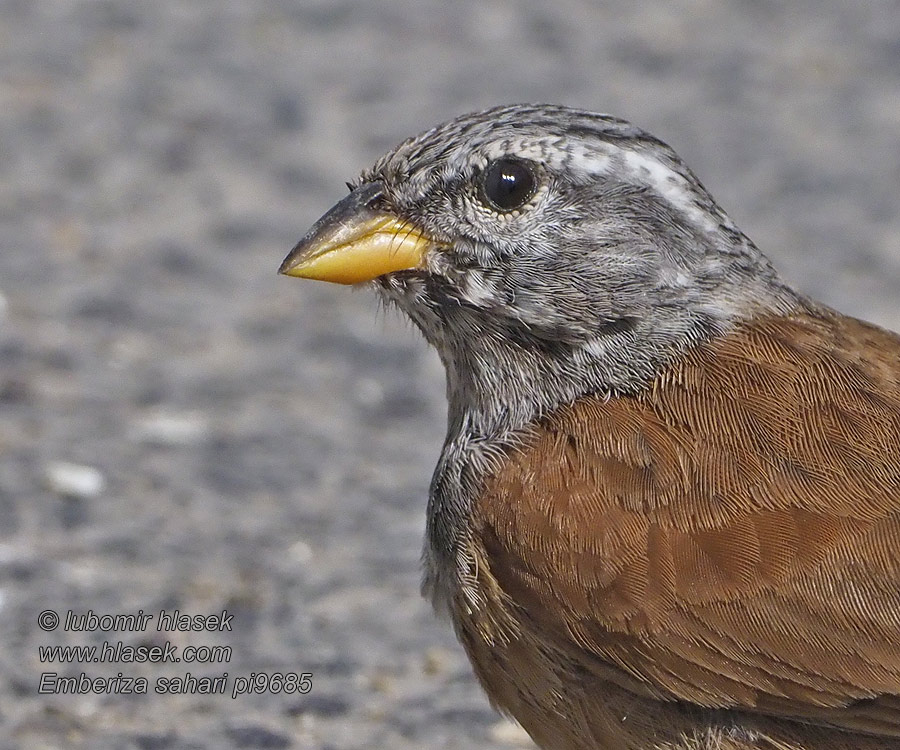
x: 671, y: 186
x: 641, y: 168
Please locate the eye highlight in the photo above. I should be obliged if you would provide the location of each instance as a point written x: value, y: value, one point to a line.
x: 507, y: 184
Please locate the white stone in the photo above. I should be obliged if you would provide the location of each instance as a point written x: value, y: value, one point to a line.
x: 74, y: 480
x: 300, y: 552
x: 509, y: 733
x: 161, y: 428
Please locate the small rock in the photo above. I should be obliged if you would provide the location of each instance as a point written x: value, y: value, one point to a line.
x: 509, y: 733
x: 300, y: 552
x: 321, y: 705
x: 382, y: 682
x: 436, y: 660
x: 253, y: 736
x: 155, y: 741
x: 161, y: 428
x: 74, y: 480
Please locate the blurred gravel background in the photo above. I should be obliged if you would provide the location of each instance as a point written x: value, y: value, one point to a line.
x: 180, y: 428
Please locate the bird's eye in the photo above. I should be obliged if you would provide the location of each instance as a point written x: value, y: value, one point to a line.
x: 508, y: 184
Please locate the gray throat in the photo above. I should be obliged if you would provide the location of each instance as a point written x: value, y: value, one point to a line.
x: 495, y: 388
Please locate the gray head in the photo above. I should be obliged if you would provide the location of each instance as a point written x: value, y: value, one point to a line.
x: 548, y: 253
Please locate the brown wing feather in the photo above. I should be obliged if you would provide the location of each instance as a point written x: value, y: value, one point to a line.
x: 731, y: 536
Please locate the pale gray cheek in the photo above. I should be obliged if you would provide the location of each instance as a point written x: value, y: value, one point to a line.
x: 553, y: 316
x: 478, y: 290
x: 534, y: 308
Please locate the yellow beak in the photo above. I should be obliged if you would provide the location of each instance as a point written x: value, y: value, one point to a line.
x: 353, y: 243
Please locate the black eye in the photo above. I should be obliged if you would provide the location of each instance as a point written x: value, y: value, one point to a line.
x: 508, y: 184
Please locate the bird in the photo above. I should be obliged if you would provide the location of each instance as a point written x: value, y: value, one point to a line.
x: 666, y: 515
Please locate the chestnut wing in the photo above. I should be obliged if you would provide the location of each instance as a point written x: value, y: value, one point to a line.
x: 731, y: 536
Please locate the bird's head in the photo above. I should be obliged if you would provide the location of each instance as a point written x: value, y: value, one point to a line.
x: 545, y: 252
